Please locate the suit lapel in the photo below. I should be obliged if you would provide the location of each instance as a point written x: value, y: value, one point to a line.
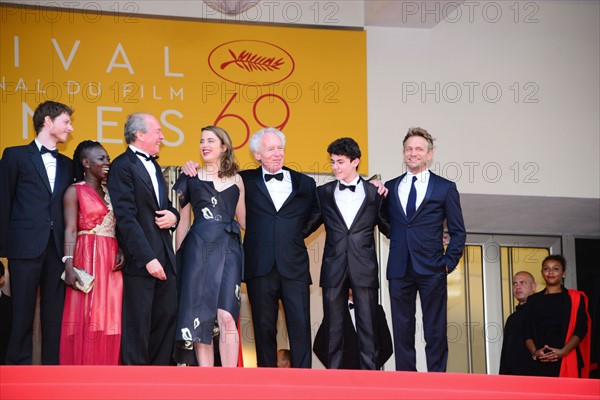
x: 142, y: 172
x: 396, y: 195
x: 330, y: 196
x: 370, y: 192
x: 162, y: 185
x: 59, y: 178
x: 430, y: 185
x: 368, y: 198
x: 295, y: 185
x: 38, y: 163
x: 261, y: 185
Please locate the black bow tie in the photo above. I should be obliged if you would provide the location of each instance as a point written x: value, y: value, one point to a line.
x: 44, y: 150
x: 278, y: 176
x: 351, y: 306
x: 344, y: 187
x: 146, y: 157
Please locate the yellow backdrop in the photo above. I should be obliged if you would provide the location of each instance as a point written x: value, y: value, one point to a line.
x: 311, y: 83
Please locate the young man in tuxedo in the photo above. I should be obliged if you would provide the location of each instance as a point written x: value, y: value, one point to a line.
x: 34, y: 178
x: 350, y: 211
x: 145, y: 217
x: 515, y: 358
x: 417, y: 205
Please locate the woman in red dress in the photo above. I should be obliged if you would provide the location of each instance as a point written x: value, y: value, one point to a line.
x: 91, y: 325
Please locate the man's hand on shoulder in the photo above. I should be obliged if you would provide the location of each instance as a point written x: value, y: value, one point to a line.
x: 381, y: 189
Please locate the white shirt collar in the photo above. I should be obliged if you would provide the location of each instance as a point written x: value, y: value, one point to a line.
x: 352, y: 182
x: 421, y: 176
x: 39, y: 145
x: 135, y: 149
x: 264, y: 171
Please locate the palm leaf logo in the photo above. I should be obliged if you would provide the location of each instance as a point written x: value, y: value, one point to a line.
x: 253, y: 62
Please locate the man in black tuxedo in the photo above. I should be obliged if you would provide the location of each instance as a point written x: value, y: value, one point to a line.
x: 418, y: 203
x: 34, y: 178
x: 145, y: 218
x: 351, y: 356
x: 515, y: 358
x: 279, y: 204
x: 350, y: 211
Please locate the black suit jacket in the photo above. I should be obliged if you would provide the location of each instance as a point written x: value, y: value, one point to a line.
x: 351, y: 354
x: 277, y: 237
x: 352, y: 248
x: 134, y: 203
x: 29, y: 209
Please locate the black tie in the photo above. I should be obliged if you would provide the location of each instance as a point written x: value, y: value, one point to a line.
x: 344, y: 187
x: 145, y: 156
x: 278, y: 176
x: 411, y: 205
x: 44, y: 150
x: 351, y: 306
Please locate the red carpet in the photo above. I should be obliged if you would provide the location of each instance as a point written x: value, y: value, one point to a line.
x: 36, y: 382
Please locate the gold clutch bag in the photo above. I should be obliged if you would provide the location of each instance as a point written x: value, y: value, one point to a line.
x: 87, y: 279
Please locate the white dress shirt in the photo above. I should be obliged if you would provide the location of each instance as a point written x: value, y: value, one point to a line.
x: 420, y: 185
x: 349, y: 202
x: 149, y: 165
x: 279, y: 190
x: 49, y: 164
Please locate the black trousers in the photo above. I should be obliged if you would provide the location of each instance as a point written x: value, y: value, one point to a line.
x: 26, y: 276
x: 335, y: 310
x: 264, y: 294
x: 149, y: 317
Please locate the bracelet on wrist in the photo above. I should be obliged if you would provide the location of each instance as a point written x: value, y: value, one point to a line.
x: 65, y: 258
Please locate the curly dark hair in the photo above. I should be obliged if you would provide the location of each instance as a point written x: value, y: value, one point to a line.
x: 80, y: 153
x: 558, y: 258
x: 345, y: 147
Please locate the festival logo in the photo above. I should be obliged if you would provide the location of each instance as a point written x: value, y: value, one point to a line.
x: 251, y: 63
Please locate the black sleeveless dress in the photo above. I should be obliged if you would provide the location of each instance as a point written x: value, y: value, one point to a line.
x: 209, y: 261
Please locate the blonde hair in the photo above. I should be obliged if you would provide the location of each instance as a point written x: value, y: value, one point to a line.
x: 421, y: 133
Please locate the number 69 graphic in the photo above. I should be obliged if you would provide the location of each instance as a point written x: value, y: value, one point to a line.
x: 280, y: 127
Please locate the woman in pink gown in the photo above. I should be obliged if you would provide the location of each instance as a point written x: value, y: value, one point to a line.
x: 91, y: 325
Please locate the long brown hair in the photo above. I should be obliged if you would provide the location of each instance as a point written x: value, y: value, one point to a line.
x: 229, y: 166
